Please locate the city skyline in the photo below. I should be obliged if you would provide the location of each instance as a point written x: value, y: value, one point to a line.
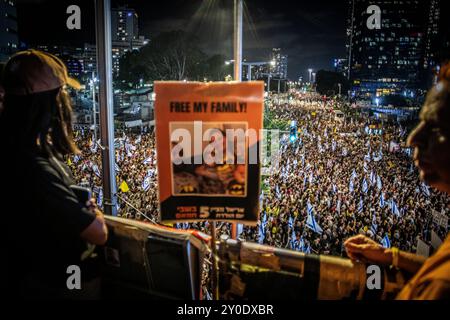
x: 312, y: 35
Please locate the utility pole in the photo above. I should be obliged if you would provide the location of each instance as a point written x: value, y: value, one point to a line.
x: 105, y: 102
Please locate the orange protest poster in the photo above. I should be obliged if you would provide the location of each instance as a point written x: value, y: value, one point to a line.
x: 207, y: 139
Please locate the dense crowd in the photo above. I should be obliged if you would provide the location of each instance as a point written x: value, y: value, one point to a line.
x: 336, y: 177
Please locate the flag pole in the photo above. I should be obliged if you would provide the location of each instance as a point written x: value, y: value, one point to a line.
x: 238, y: 8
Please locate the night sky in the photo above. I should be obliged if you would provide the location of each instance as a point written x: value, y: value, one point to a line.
x: 312, y: 33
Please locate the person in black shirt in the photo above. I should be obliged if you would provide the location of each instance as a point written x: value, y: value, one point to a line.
x: 48, y: 228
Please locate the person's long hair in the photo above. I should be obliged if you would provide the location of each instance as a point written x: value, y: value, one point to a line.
x: 39, y: 122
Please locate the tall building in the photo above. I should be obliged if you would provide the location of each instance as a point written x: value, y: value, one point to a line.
x: 70, y: 55
x: 9, y: 40
x: 281, y: 63
x: 392, y: 59
x: 124, y: 34
x: 341, y: 66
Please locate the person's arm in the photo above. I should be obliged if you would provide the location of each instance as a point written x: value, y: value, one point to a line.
x: 409, y: 262
x: 365, y: 249
x: 96, y: 232
x: 66, y: 217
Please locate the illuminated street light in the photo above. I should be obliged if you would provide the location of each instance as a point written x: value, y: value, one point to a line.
x: 310, y: 74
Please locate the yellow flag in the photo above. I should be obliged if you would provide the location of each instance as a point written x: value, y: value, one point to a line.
x: 124, y: 187
x: 69, y: 162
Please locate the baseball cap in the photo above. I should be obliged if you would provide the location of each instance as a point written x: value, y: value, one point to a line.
x: 33, y: 71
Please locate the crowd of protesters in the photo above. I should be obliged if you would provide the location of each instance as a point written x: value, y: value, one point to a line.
x: 336, y: 177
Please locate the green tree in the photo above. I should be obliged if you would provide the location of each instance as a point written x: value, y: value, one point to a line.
x: 171, y: 55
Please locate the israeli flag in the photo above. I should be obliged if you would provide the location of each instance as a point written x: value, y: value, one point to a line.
x: 366, y: 167
x: 148, y: 160
x: 312, y: 224
x: 262, y: 229
x: 100, y: 197
x: 350, y: 187
x: 76, y: 158
x: 425, y: 189
x: 93, y: 146
x: 309, y: 208
x: 302, y: 244
x: 386, y: 243
x: 379, y: 184
x: 382, y: 203
x: 338, y: 206
x: 146, y: 183
x: 116, y: 167
x: 394, y: 208
x: 333, y: 145
x: 374, y: 226
x: 311, y: 178
x: 334, y: 188
x: 354, y: 175
x: 364, y: 186
x: 96, y: 170
x: 291, y: 223
x: 308, y: 250
x: 138, y: 140
x: 361, y: 205
x: 367, y: 156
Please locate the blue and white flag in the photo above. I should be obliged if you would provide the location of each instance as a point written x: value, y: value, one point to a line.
x: 291, y: 222
x: 394, y: 208
x: 148, y: 160
x: 100, y: 197
x: 361, y: 205
x: 76, y: 158
x: 366, y: 167
x: 333, y: 145
x: 386, y: 243
x: 146, y: 183
x: 374, y: 226
x: 307, y: 250
x: 367, y: 156
x: 302, y: 244
x: 262, y: 228
x: 93, y: 146
x: 350, y: 187
x: 138, y: 139
x: 379, y: 184
x: 116, y: 167
x: 96, y: 170
x: 382, y: 200
x: 338, y: 206
x: 425, y: 189
x: 364, y: 186
x: 311, y: 178
x: 312, y: 224
x: 354, y: 175
x: 334, y: 188
x: 309, y: 208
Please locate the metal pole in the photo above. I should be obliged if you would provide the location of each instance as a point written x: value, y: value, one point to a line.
x: 215, y: 279
x: 93, y: 108
x: 238, y: 7
x: 238, y: 40
x: 249, y: 76
x: 279, y: 81
x: 105, y: 102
